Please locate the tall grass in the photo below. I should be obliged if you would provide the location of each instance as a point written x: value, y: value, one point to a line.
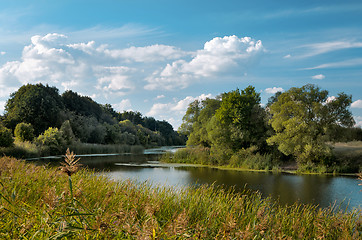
x: 38, y: 203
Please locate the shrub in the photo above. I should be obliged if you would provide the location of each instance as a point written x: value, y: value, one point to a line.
x: 24, y: 132
x: 51, y: 141
x: 6, y: 137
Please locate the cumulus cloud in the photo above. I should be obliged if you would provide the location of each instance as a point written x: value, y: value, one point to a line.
x: 358, y: 120
x: 53, y: 59
x: 357, y: 104
x: 330, y: 99
x: 274, y: 90
x: 226, y: 55
x: 174, y: 110
x: 124, y: 105
x: 319, y: 77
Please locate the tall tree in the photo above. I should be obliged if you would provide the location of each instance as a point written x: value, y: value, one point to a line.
x: 242, y: 119
x: 36, y: 104
x: 301, y: 118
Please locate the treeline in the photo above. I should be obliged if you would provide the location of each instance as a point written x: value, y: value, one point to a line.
x: 38, y: 113
x: 295, y: 126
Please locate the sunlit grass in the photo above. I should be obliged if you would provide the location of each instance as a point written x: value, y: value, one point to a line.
x: 39, y: 203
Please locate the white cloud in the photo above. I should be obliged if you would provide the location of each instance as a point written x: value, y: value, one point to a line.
x: 274, y: 90
x: 330, y: 99
x: 358, y: 120
x: 319, y: 77
x: 226, y: 55
x: 160, y: 96
x: 2, y: 53
x: 124, y: 105
x: 357, y: 104
x: 325, y: 47
x: 346, y: 63
x: 287, y: 56
x: 53, y: 59
x: 148, y: 53
x: 174, y: 109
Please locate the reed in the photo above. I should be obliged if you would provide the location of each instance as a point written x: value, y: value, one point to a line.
x: 38, y: 202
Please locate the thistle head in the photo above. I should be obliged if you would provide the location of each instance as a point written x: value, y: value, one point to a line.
x: 70, y: 164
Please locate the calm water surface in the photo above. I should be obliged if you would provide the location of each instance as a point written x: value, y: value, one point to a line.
x: 317, y: 189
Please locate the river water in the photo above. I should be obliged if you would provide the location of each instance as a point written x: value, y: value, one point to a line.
x: 322, y: 190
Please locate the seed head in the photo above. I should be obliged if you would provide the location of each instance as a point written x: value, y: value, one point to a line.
x: 70, y: 164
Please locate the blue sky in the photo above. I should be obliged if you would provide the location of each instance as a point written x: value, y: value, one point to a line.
x: 158, y: 56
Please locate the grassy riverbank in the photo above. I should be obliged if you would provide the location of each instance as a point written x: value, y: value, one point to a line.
x: 347, y: 158
x: 23, y: 150
x: 38, y: 203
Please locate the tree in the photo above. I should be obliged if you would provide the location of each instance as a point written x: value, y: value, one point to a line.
x: 36, y: 104
x: 242, y: 119
x: 199, y: 134
x: 6, y: 138
x: 24, y: 132
x: 67, y: 132
x: 301, y: 118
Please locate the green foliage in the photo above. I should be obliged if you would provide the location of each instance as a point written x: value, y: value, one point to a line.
x: 242, y: 118
x: 37, y: 104
x: 51, y: 141
x: 67, y: 133
x: 250, y: 158
x: 24, y: 132
x: 301, y: 118
x: 6, y: 137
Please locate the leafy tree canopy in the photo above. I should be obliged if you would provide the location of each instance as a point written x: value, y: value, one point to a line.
x: 36, y: 104
x: 301, y: 118
x: 24, y: 132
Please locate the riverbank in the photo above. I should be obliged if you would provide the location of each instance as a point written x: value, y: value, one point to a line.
x: 26, y: 150
x: 346, y: 160
x: 38, y: 202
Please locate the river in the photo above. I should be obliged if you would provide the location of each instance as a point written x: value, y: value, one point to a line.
x: 323, y: 190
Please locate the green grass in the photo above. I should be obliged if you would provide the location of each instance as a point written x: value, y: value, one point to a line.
x: 44, y: 203
x: 23, y: 150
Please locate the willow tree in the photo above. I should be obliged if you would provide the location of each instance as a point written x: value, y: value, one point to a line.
x: 301, y: 118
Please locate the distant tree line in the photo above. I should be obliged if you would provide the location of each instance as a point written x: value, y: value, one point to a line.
x: 235, y: 129
x: 37, y: 112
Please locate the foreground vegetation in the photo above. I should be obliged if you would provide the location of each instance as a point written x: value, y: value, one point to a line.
x: 39, y: 203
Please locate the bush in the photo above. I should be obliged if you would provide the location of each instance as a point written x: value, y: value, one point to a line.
x: 6, y: 137
x: 51, y: 141
x: 24, y: 132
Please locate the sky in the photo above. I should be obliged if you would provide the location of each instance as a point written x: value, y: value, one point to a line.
x: 156, y: 57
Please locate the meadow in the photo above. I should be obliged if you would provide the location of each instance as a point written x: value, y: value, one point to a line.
x: 38, y: 202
